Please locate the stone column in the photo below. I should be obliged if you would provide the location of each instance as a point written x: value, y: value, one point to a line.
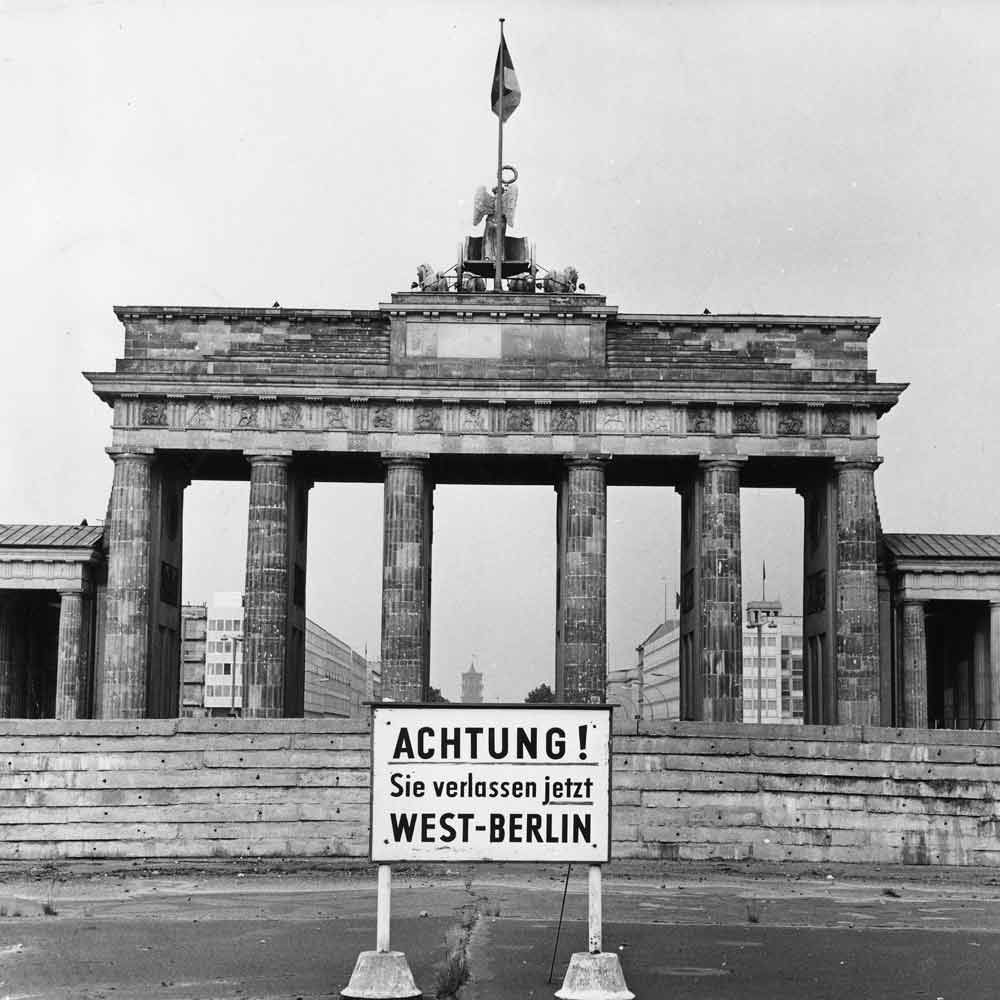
x: 73, y: 666
x: 981, y: 672
x: 406, y: 579
x: 721, y: 592
x: 126, y: 639
x: 582, y: 601
x: 914, y: 666
x: 857, y: 645
x: 265, y: 617
x: 8, y: 678
x: 995, y: 664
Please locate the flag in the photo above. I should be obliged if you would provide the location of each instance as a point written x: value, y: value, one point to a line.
x: 506, y: 93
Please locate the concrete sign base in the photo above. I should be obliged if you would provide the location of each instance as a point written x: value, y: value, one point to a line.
x: 382, y: 975
x: 594, y: 976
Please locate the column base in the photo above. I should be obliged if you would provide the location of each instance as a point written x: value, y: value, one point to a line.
x: 594, y: 976
x: 381, y: 975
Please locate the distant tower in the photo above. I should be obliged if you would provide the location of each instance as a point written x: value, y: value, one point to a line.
x: 472, y: 686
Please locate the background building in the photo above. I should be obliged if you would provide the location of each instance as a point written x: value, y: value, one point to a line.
x: 472, y: 686
x: 338, y: 679
x: 775, y: 679
x: 194, y: 626
x: 224, y: 654
x: 651, y: 689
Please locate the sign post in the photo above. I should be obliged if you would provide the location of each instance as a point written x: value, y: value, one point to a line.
x: 382, y: 973
x: 480, y: 783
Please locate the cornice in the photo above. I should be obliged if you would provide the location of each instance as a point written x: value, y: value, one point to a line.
x: 196, y: 313
x: 112, y: 385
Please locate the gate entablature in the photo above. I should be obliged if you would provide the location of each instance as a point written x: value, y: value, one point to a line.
x: 444, y: 373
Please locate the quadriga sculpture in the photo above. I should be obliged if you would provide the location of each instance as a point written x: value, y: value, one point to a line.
x: 473, y: 282
x: 561, y: 281
x: 429, y: 280
x: 524, y: 283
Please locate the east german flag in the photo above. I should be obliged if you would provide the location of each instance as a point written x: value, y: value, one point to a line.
x: 506, y: 94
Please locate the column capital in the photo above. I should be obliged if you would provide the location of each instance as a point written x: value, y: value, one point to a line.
x: 116, y: 452
x: 710, y: 461
x: 871, y: 463
x: 995, y: 603
x: 260, y: 457
x: 396, y: 459
x: 75, y: 591
x: 913, y: 602
x: 594, y: 460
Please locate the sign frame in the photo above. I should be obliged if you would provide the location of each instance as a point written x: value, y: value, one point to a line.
x: 526, y: 709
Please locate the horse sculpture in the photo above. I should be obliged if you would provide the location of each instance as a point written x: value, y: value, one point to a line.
x: 561, y: 281
x: 429, y: 280
x: 523, y: 283
x: 472, y: 283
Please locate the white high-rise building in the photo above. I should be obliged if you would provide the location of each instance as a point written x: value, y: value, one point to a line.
x: 775, y: 679
x: 224, y: 652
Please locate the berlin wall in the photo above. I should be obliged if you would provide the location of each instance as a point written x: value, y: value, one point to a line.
x: 232, y: 788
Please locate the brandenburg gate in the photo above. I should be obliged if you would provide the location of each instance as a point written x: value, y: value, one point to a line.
x: 524, y: 386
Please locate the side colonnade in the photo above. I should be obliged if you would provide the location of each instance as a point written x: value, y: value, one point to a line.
x: 137, y: 673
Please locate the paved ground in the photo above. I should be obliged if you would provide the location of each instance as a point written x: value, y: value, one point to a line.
x: 684, y: 932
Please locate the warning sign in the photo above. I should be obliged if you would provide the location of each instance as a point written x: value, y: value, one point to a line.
x: 491, y: 783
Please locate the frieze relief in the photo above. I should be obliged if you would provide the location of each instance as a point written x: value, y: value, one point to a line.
x: 246, y: 415
x: 746, y: 421
x: 520, y: 416
x: 657, y: 420
x: 201, y: 415
x: 473, y: 418
x: 290, y: 416
x: 519, y: 419
x: 791, y: 422
x: 700, y: 420
x: 836, y: 422
x: 565, y: 420
x: 336, y: 417
x: 428, y: 418
x: 612, y: 420
x: 153, y: 415
x: 384, y: 418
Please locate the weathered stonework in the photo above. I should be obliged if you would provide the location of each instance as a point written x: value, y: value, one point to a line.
x: 73, y: 668
x: 721, y: 593
x: 995, y: 664
x: 8, y: 666
x: 581, y: 607
x: 267, y: 584
x: 914, y: 666
x: 406, y: 580
x: 857, y: 648
x: 126, y: 632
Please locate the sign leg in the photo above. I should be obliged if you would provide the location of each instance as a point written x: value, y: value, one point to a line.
x: 594, y: 909
x: 382, y: 973
x: 594, y: 974
x: 383, y: 908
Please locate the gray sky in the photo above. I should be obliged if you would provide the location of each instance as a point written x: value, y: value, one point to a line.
x: 757, y: 157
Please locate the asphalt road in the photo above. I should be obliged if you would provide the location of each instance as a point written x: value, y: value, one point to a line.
x: 681, y: 932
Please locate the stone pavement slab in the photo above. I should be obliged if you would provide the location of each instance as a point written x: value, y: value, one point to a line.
x: 227, y: 931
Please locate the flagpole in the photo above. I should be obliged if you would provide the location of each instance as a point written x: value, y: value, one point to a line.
x: 498, y: 202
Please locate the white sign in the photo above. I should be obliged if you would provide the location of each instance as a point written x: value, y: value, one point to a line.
x: 491, y: 783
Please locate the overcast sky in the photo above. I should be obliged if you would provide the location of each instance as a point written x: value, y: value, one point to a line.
x: 748, y: 157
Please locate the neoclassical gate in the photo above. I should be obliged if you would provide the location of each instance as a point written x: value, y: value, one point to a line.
x: 498, y: 387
